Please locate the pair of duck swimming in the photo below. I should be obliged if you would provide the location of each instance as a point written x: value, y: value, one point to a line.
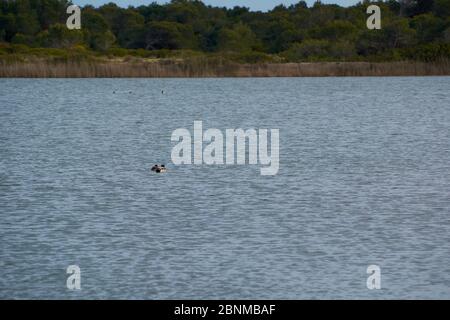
x: 159, y: 168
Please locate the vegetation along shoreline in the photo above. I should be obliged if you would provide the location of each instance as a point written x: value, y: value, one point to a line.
x: 189, y: 69
x: 188, y: 38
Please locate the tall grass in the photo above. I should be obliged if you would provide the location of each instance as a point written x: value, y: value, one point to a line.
x: 205, y: 68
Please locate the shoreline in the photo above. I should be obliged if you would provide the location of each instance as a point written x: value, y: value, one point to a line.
x: 199, y: 69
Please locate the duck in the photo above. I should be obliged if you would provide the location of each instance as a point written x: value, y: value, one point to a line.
x: 161, y: 169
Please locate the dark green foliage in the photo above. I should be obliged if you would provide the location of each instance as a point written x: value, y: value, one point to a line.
x: 411, y: 29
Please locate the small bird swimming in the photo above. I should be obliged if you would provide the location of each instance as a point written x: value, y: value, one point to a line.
x: 159, y: 169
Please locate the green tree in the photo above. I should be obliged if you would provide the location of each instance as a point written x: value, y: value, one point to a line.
x: 58, y: 36
x: 131, y: 33
x: 279, y: 34
x: 336, y: 30
x: 8, y: 26
x: 393, y: 35
x: 96, y: 30
x: 428, y: 27
x: 28, y: 23
x: 50, y: 12
x: 239, y: 38
x: 169, y: 35
x: 308, y: 50
x: 441, y: 8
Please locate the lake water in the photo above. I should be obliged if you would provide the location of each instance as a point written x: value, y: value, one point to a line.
x: 364, y: 179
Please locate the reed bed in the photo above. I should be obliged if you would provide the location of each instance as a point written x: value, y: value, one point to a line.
x: 199, y: 68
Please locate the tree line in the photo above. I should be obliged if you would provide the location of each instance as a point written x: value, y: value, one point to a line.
x: 411, y: 29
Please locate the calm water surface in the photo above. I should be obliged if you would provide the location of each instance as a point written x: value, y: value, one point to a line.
x: 364, y: 179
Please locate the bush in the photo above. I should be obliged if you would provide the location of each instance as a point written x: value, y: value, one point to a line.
x: 58, y: 36
x: 307, y: 50
x: 249, y: 57
x: 429, y: 52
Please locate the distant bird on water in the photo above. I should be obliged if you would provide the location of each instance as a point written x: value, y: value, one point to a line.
x: 159, y: 169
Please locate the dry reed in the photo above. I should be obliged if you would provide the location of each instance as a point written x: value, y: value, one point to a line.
x: 198, y: 68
